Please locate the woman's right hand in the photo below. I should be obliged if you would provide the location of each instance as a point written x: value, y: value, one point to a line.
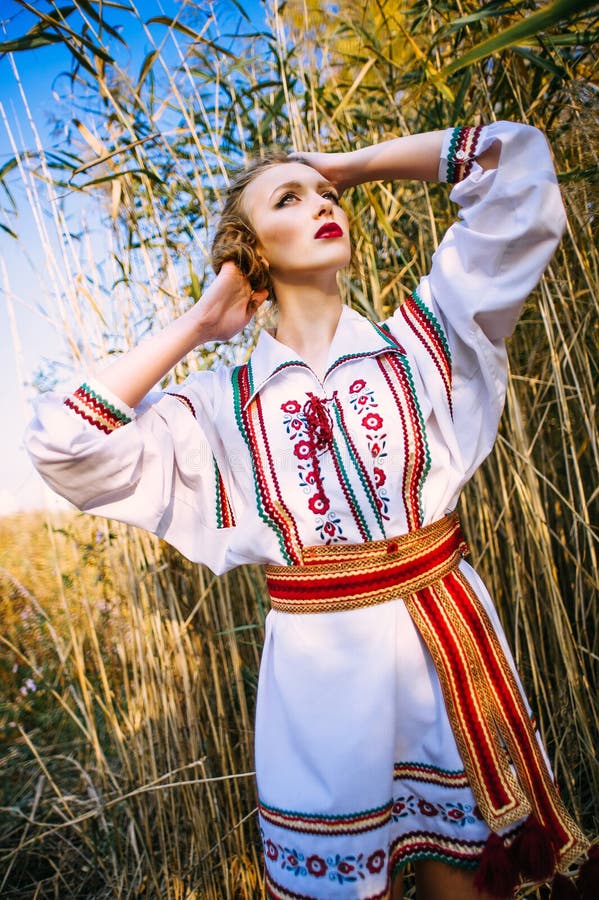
x: 223, y: 310
x: 227, y: 306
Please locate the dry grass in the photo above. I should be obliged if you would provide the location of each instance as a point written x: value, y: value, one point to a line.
x: 128, y: 771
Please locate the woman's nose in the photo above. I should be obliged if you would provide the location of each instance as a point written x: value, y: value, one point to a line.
x: 324, y: 206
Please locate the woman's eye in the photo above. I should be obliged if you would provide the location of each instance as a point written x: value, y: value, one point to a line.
x: 332, y: 196
x: 285, y: 199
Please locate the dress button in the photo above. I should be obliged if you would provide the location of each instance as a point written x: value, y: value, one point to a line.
x: 392, y: 547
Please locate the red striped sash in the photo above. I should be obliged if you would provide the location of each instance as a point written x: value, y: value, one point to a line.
x: 503, y: 760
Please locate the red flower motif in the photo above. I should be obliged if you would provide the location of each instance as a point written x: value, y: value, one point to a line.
x: 372, y: 421
x: 310, y: 477
x: 376, y: 861
x: 296, y: 424
x: 345, y: 868
x: 329, y: 529
x: 357, y: 386
x: 375, y: 449
x: 303, y: 449
x: 379, y: 476
x: 316, y: 866
x: 398, y: 807
x: 362, y: 400
x: 291, y: 406
x: 292, y: 861
x: 427, y: 809
x: 319, y: 503
x: 271, y: 850
x: 455, y: 814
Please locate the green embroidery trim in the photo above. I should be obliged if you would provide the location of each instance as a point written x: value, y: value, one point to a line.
x: 348, y: 482
x: 455, y: 135
x: 427, y: 455
x: 329, y: 818
x: 112, y: 409
x: 239, y: 420
x: 428, y: 768
x: 434, y: 322
x: 219, y: 508
x: 439, y: 856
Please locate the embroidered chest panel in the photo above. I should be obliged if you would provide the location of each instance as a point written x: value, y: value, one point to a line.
x: 337, y: 461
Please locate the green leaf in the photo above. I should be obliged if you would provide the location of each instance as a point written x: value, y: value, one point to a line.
x: 50, y: 19
x: 540, y: 61
x: 29, y: 42
x: 529, y: 27
x: 486, y: 13
x: 145, y: 68
x: 240, y: 9
x: 9, y: 231
x: 8, y: 167
x: 133, y: 172
x: 195, y: 288
x: 85, y: 5
x: 189, y: 32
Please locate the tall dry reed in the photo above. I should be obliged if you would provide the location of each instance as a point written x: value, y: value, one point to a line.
x: 129, y: 675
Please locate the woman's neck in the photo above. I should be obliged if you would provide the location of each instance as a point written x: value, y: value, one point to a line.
x: 307, y: 320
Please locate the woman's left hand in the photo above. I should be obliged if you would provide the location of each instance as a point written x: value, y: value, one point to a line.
x: 335, y: 167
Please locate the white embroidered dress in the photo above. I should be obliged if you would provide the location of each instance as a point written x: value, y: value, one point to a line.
x: 357, y: 767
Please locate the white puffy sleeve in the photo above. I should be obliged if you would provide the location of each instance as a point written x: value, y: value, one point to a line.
x: 510, y: 222
x: 160, y: 466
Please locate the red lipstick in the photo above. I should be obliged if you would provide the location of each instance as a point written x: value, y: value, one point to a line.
x: 329, y: 230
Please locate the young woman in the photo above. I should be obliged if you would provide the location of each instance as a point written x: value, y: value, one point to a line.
x: 390, y: 723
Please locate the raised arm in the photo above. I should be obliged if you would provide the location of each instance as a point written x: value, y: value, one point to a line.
x: 223, y: 310
x: 415, y: 157
x: 153, y: 460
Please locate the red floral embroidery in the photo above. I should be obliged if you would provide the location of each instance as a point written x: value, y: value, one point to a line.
x: 316, y: 866
x: 376, y: 861
x: 379, y: 476
x: 372, y: 422
x: 345, y: 868
x: 427, y: 809
x: 271, y: 850
x: 455, y: 814
x: 303, y: 449
x: 319, y: 503
x: 311, y: 429
x: 363, y: 403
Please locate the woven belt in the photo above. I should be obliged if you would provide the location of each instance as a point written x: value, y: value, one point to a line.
x: 335, y: 577
x: 502, y: 757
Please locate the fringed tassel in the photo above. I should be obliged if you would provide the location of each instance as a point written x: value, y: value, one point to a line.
x: 533, y: 851
x: 588, y: 876
x: 563, y: 888
x: 496, y: 874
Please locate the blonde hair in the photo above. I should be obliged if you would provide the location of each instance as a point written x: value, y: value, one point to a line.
x: 235, y: 238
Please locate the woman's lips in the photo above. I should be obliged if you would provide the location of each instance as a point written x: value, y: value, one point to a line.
x: 330, y: 230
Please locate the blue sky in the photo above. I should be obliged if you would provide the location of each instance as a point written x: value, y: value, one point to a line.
x: 22, y: 262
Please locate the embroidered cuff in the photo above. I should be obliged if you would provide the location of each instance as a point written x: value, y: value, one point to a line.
x: 103, y: 412
x: 460, y: 147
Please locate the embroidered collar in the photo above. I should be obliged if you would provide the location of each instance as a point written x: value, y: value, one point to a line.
x: 355, y: 336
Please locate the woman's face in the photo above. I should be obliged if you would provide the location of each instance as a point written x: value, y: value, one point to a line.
x: 302, y: 231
